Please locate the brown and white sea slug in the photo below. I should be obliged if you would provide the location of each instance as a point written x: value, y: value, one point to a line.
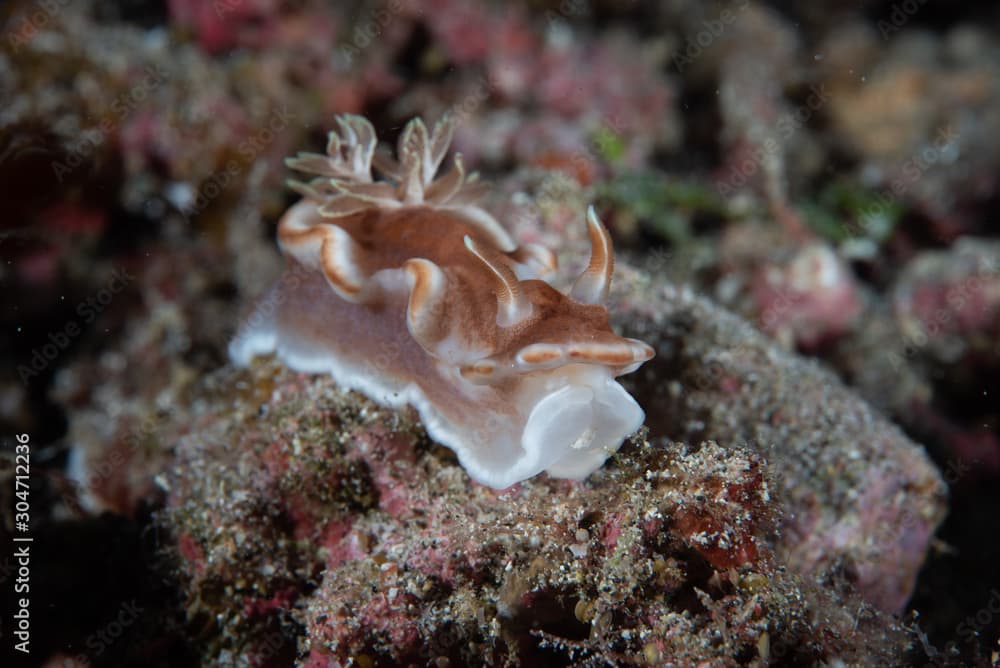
x: 408, y: 291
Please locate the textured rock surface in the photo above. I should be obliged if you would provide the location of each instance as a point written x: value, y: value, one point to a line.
x: 858, y: 493
x: 763, y: 493
x: 303, y: 508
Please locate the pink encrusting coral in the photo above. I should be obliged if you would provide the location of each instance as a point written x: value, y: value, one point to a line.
x: 410, y: 292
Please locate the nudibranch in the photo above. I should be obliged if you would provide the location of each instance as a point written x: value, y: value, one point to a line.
x: 408, y: 291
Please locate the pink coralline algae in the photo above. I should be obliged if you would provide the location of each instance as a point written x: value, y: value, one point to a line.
x: 947, y: 305
x: 663, y: 552
x: 811, y: 300
x: 224, y: 24
x: 946, y: 311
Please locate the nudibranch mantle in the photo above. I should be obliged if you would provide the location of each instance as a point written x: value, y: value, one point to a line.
x: 408, y: 291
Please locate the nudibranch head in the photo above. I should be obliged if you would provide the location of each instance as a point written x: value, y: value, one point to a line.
x: 514, y: 375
